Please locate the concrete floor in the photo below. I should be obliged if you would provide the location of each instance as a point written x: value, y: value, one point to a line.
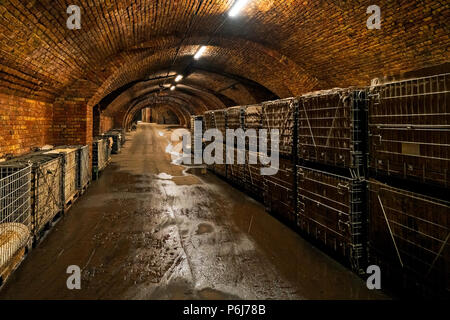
x: 146, y: 230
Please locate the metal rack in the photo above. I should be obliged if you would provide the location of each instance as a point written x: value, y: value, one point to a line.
x: 15, y: 214
x: 69, y: 156
x: 46, y: 187
x: 84, y: 167
x: 280, y: 115
x: 331, y: 210
x: 331, y: 127
x: 409, y: 129
x: 117, y: 138
x: 100, y: 156
x: 409, y: 237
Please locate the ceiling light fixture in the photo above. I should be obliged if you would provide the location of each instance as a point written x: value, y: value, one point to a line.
x: 237, y: 7
x: 200, y: 52
x: 172, y: 88
x: 178, y: 78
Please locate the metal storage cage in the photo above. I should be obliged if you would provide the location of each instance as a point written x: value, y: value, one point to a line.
x: 70, y: 171
x: 116, y: 138
x: 279, y: 191
x: 409, y: 238
x: 252, y: 121
x: 84, y: 167
x: 253, y: 180
x: 409, y: 124
x: 15, y: 215
x: 46, y: 187
x: 100, y: 156
x: 330, y: 209
x: 331, y: 127
x: 235, y: 171
x: 235, y: 118
x: 281, y: 114
x: 222, y: 169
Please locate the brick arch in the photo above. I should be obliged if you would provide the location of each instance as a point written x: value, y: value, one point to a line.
x: 176, y: 104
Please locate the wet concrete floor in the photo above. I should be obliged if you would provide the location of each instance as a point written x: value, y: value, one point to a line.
x: 147, y: 230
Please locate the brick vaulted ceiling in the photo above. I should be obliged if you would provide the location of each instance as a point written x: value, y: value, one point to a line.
x: 284, y: 48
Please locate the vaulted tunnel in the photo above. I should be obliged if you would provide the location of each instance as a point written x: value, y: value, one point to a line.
x: 137, y: 61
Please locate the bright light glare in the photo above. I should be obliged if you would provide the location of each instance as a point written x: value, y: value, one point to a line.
x: 200, y: 52
x: 238, y: 5
x: 172, y: 88
x: 178, y: 78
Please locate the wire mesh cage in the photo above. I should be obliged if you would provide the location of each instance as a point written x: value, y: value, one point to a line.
x: 279, y: 191
x: 235, y: 118
x: 330, y: 209
x: 70, y: 178
x: 15, y: 212
x: 409, y: 238
x: 409, y: 129
x: 84, y: 167
x: 331, y: 127
x: 252, y: 124
x: 280, y: 115
x: 253, y: 180
x: 100, y: 156
x: 235, y: 168
x: 46, y: 187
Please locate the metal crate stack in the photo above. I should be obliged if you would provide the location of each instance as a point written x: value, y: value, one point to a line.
x: 235, y: 171
x: 46, y: 187
x: 69, y: 156
x: 254, y: 181
x: 331, y: 192
x: 331, y: 210
x: 409, y: 129
x: 219, y: 123
x: 409, y: 163
x: 100, y: 155
x: 409, y: 239
x: 209, y: 123
x: 84, y: 168
x: 279, y: 189
x: 196, y: 134
x: 15, y: 216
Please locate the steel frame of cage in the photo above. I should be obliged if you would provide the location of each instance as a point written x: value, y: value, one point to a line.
x: 84, y: 167
x: 281, y: 114
x: 353, y: 245
x: 347, y: 128
x: 416, y: 145
x: 15, y: 212
x: 408, y: 237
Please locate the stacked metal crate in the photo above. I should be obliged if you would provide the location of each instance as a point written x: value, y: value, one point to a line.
x: 69, y: 156
x: 235, y: 168
x: 217, y: 120
x: 409, y: 160
x: 252, y: 124
x: 193, y: 132
x: 209, y: 123
x: 331, y: 175
x: 84, y: 168
x: 15, y: 216
x: 100, y: 155
x: 46, y: 187
x: 279, y: 189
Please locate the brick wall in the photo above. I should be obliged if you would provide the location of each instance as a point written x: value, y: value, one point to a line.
x: 25, y: 123
x: 106, y: 123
